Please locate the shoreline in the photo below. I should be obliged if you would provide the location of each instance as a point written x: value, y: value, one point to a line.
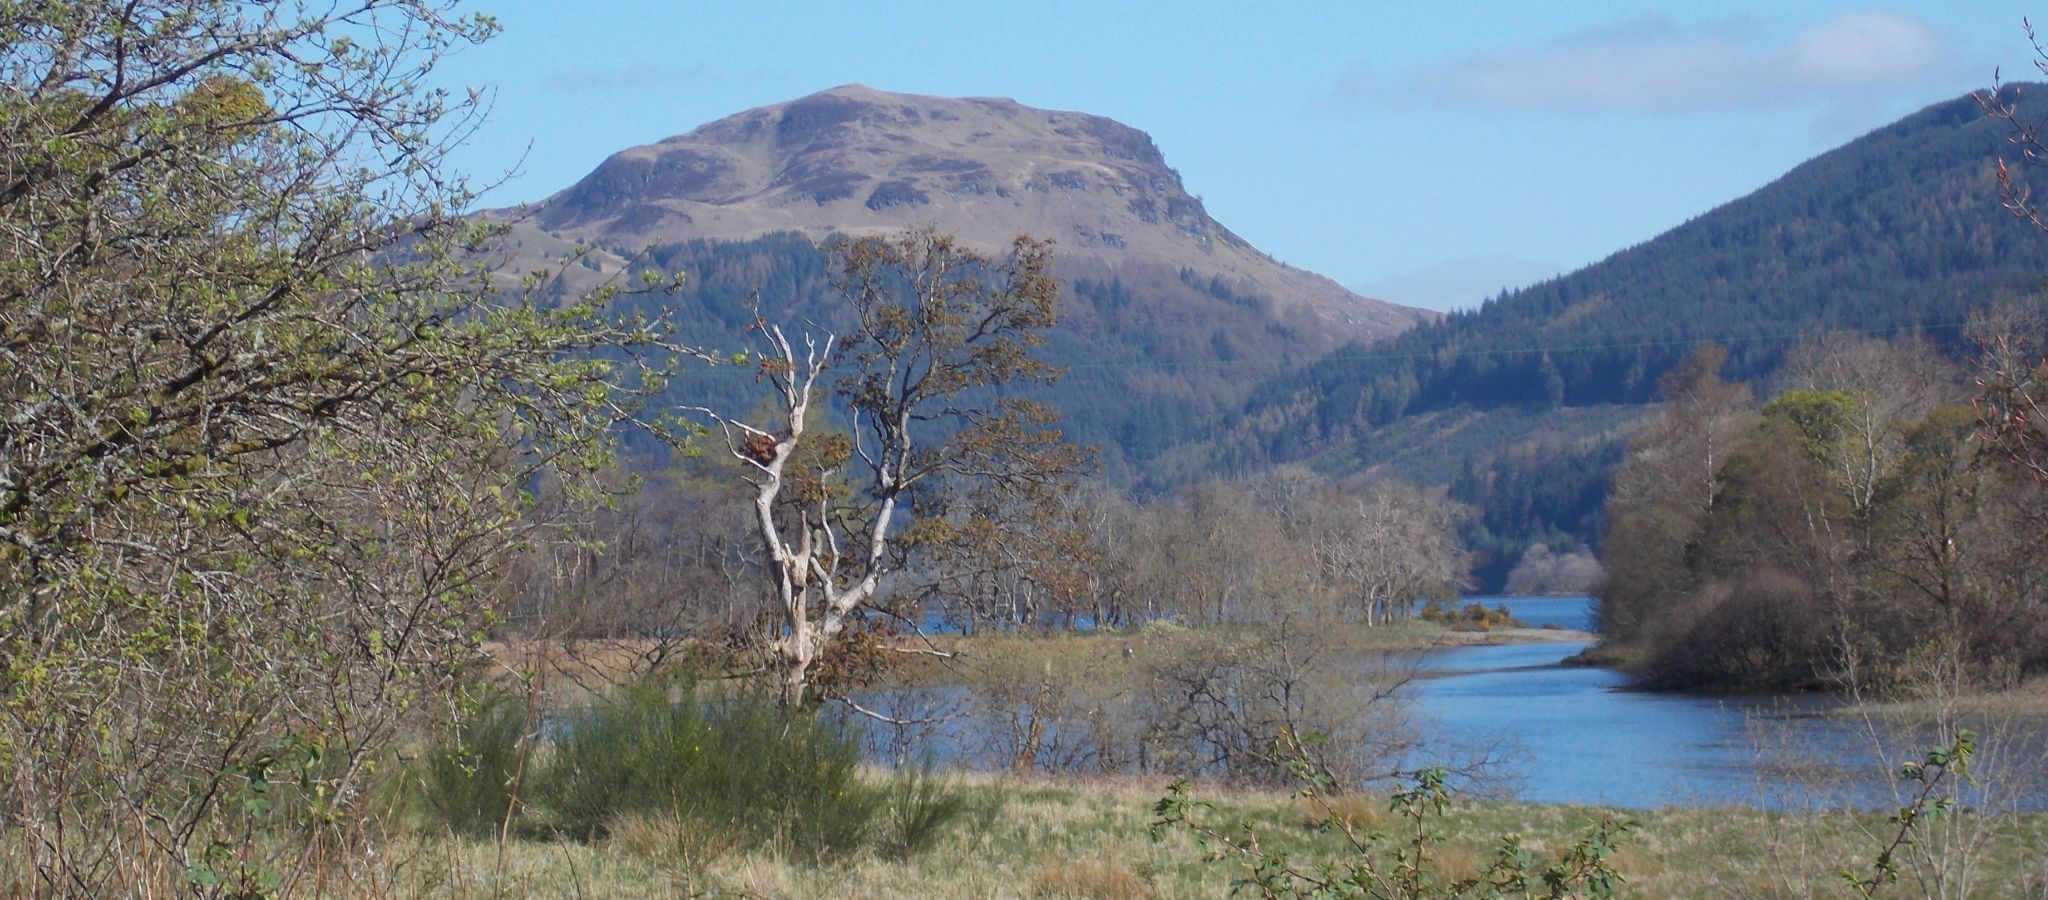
x: 2027, y: 700
x: 1060, y: 649
x: 579, y: 665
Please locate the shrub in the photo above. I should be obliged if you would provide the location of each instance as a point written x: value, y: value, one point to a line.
x: 920, y: 806
x: 1473, y: 617
x: 466, y: 783
x: 733, y: 761
x: 672, y: 769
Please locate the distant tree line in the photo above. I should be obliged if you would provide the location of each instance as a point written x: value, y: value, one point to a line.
x: 677, y: 566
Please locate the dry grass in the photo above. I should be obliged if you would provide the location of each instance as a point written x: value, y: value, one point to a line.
x: 575, y: 670
x: 1092, y: 839
x: 1359, y: 812
x: 1064, y: 651
x: 1456, y: 863
x: 671, y: 840
x: 2027, y: 700
x: 1089, y: 879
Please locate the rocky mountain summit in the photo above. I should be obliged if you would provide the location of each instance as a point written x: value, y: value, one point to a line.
x: 854, y: 160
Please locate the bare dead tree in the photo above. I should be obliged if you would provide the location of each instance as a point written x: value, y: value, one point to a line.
x: 938, y: 328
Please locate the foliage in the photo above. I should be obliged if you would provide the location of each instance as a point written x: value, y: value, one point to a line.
x: 1470, y: 617
x: 1290, y: 544
x: 1539, y: 571
x: 922, y: 806
x: 270, y: 436
x: 1902, y: 220
x: 1406, y: 870
x: 729, y: 762
x: 1140, y: 345
x: 468, y: 782
x: 1540, y: 493
x: 2012, y: 376
x: 1659, y: 497
x: 669, y: 569
x: 735, y: 762
x: 1859, y: 515
x: 1756, y: 274
x: 1195, y: 701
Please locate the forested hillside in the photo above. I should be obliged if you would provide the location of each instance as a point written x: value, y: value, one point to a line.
x: 1896, y: 231
x: 1899, y: 231
x: 1152, y: 357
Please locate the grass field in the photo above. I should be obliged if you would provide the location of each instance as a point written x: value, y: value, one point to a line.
x: 1092, y: 839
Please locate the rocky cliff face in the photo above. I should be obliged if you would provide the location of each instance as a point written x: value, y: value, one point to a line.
x: 853, y: 160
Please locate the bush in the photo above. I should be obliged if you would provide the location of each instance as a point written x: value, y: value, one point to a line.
x: 670, y: 768
x: 919, y: 809
x: 1472, y: 617
x: 466, y: 783
x: 635, y: 752
x: 734, y: 761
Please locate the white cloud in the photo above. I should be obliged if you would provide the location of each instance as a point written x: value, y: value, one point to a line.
x: 1654, y: 64
x: 1864, y: 50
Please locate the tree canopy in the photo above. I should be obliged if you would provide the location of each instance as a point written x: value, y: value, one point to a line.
x: 269, y: 435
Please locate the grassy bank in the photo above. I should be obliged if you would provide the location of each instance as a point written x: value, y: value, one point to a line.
x: 2024, y: 700
x: 2027, y: 700
x: 1061, y: 650
x: 578, y: 667
x: 1093, y: 839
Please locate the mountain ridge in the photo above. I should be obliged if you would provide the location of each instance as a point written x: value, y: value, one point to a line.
x: 1900, y: 228
x: 853, y: 160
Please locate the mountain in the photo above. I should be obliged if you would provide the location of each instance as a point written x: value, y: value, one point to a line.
x: 854, y: 160
x: 1172, y: 317
x: 1900, y: 230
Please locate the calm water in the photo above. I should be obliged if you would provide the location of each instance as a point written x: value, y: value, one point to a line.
x: 1575, y: 613
x: 1579, y: 735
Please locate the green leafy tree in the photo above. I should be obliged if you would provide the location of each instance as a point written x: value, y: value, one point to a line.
x: 267, y: 434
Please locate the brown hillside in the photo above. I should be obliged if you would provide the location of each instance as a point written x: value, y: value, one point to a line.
x: 855, y: 160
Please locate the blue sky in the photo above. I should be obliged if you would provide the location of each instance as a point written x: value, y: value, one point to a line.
x: 1428, y: 153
